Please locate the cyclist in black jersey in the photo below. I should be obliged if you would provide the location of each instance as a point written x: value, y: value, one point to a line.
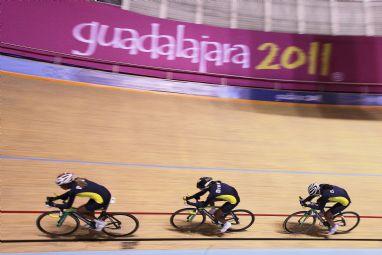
x: 99, y: 196
x: 218, y: 191
x: 328, y: 193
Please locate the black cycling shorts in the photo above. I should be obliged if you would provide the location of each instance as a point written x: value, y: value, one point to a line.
x: 337, y: 208
x: 227, y: 207
x: 92, y: 205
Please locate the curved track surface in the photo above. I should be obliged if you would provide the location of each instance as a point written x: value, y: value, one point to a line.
x: 149, y: 148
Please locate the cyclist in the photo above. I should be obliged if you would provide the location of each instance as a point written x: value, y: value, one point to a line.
x: 99, y: 197
x: 218, y: 191
x: 327, y: 193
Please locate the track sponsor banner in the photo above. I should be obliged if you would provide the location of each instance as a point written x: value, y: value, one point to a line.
x: 303, y: 97
x: 99, y: 32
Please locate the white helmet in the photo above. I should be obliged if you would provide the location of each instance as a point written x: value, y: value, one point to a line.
x: 314, y: 189
x: 65, y: 178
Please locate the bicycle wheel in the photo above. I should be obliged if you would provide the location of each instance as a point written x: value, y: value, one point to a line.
x: 347, y: 221
x: 240, y: 220
x: 299, y: 222
x: 120, y: 224
x: 52, y: 224
x: 187, y: 219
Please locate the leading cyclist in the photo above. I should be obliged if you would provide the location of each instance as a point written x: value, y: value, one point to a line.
x: 99, y: 197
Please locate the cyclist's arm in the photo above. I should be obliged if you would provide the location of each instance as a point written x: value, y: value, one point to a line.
x: 62, y: 197
x: 68, y: 204
x: 321, y: 202
x: 210, y: 199
x: 320, y: 205
x: 199, y: 194
x: 309, y: 198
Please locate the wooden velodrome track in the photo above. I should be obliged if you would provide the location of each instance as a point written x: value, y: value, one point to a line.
x: 149, y: 149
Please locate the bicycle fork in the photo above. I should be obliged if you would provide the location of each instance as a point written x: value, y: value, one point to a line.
x: 62, y: 218
x: 303, y: 218
x: 191, y: 216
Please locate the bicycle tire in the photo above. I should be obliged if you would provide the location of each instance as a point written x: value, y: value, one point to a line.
x: 184, y: 214
x: 343, y: 216
x: 299, y: 215
x: 239, y: 213
x: 43, y: 216
x: 114, y: 222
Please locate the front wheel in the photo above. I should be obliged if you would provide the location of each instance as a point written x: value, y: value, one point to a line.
x: 55, y: 224
x: 240, y: 220
x: 299, y: 222
x: 187, y: 219
x: 120, y: 224
x: 346, y: 221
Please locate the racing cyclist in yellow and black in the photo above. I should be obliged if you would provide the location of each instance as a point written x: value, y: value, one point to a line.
x: 218, y: 191
x: 99, y: 196
x: 328, y: 193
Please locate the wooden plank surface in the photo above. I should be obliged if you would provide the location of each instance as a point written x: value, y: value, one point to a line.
x: 149, y: 149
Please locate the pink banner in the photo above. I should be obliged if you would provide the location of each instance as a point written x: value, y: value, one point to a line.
x: 108, y: 35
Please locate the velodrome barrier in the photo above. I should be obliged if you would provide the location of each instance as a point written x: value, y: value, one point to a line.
x: 16, y: 65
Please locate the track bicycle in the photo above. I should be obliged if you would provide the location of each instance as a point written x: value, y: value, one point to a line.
x: 65, y: 222
x: 191, y: 218
x: 303, y: 221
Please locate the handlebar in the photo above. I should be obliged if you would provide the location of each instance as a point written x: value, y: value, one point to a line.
x: 71, y: 209
x: 306, y: 204
x: 187, y: 202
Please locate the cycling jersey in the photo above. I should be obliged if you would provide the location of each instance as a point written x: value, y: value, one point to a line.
x: 95, y: 192
x: 331, y: 193
x: 219, y: 191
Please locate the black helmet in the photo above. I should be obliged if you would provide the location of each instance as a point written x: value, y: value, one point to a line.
x: 204, y: 182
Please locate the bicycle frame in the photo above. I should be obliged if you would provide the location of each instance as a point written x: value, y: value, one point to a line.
x: 73, y: 211
x: 315, y: 214
x: 208, y: 214
x: 201, y: 211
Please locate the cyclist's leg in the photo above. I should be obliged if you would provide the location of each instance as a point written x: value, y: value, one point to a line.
x: 222, y: 212
x: 226, y: 208
x: 88, y: 209
x: 336, y: 209
x: 329, y: 216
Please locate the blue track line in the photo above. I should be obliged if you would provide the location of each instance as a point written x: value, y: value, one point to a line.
x: 169, y: 167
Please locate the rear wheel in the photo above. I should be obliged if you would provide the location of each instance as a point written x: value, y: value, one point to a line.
x: 187, y: 219
x: 52, y: 223
x: 346, y: 221
x: 240, y: 220
x: 120, y: 224
x: 299, y: 222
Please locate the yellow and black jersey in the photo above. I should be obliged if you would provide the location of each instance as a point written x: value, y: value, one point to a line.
x: 330, y: 193
x: 88, y: 189
x: 219, y: 191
